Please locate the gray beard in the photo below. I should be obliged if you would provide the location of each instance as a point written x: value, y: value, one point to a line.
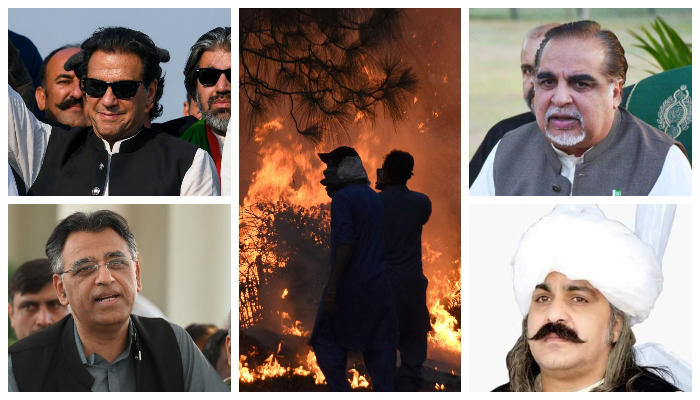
x: 218, y: 121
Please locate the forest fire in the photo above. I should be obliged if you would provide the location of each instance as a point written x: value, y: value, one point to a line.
x: 286, y: 183
x: 285, y: 228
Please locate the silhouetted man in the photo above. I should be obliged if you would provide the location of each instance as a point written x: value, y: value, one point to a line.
x: 405, y: 213
x: 356, y: 311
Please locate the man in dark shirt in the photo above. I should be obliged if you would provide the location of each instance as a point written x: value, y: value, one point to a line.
x: 356, y: 310
x: 527, y: 67
x: 405, y: 213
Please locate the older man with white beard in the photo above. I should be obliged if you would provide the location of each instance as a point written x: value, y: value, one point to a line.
x: 583, y: 142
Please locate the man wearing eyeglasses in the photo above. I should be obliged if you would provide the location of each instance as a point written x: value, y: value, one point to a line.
x: 102, y: 346
x: 121, y: 82
x: 208, y: 81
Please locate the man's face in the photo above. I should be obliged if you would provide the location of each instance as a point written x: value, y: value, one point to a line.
x: 574, y: 102
x: 381, y: 182
x: 32, y: 312
x: 105, y: 298
x: 61, y: 98
x: 582, y: 309
x: 112, y: 118
x: 527, y: 66
x: 214, y: 102
x: 330, y: 177
x: 190, y: 108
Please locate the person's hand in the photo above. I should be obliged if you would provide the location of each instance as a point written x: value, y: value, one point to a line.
x: 329, y: 298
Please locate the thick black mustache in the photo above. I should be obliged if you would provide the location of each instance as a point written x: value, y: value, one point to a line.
x: 560, y: 330
x: 69, y: 102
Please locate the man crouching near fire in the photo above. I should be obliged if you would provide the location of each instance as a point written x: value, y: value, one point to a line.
x: 357, y: 309
x: 581, y: 281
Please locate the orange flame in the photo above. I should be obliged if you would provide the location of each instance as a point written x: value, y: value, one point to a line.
x: 295, y: 329
x: 284, y: 294
x: 357, y: 381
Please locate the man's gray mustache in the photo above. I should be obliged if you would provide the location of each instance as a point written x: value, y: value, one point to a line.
x: 565, y: 111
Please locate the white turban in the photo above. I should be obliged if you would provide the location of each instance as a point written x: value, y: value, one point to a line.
x: 579, y: 242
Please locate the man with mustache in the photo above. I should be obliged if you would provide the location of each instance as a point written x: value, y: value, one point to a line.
x: 102, y: 346
x: 583, y: 142
x: 208, y: 81
x: 527, y: 67
x: 121, y: 80
x: 578, y: 307
x: 59, y: 95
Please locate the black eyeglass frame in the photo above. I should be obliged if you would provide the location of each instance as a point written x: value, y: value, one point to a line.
x: 115, y: 90
x: 198, y: 76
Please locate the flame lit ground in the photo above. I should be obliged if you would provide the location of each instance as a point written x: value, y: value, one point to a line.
x: 284, y: 225
x: 435, y: 380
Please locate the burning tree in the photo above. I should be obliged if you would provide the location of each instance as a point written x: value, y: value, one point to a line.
x: 326, y: 67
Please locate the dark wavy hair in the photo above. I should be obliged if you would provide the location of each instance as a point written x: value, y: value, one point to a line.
x: 92, y: 222
x: 217, y: 38
x: 125, y: 41
x: 615, y: 61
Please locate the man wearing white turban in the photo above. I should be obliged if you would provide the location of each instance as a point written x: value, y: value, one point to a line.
x: 579, y: 306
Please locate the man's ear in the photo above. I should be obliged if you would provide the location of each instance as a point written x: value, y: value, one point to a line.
x: 617, y: 329
x: 40, y: 96
x: 617, y: 93
x: 11, y: 313
x: 138, y: 277
x: 151, y: 95
x: 60, y: 290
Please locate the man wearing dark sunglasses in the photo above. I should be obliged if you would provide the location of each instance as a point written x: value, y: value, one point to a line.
x: 116, y: 155
x: 208, y: 81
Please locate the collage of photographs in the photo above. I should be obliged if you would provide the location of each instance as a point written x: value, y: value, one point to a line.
x: 356, y: 130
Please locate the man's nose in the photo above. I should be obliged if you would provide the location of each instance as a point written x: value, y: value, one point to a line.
x: 109, y: 99
x: 75, y: 90
x: 104, y: 276
x: 223, y: 85
x: 557, y: 312
x: 562, y: 95
x: 44, y: 317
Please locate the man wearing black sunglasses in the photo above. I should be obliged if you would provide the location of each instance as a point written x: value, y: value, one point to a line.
x: 121, y: 81
x: 208, y: 81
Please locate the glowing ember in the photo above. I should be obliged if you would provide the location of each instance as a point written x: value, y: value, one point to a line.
x: 439, y: 387
x: 314, y: 368
x: 246, y: 375
x: 285, y: 293
x: 271, y: 368
x: 295, y: 329
x: 357, y: 381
